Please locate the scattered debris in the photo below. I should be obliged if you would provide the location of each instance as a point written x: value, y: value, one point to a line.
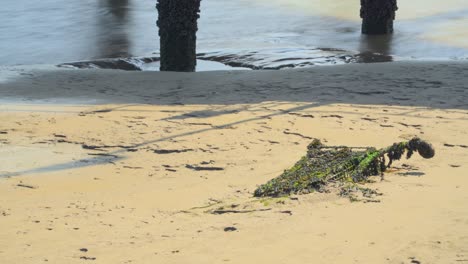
x: 94, y: 147
x: 296, y: 134
x: 414, y: 260
x: 26, y: 186
x: 103, y: 155
x: 222, y: 211
x: 335, y: 116
x: 301, y: 115
x: 170, y: 151
x: 367, y: 195
x: 87, y: 258
x: 132, y: 149
x: 452, y: 145
x: 199, y: 168
x: 132, y: 168
x: 286, y: 212
x: 408, y: 125
x: 230, y: 229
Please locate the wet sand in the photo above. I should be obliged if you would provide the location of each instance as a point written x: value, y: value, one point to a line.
x: 107, y: 166
x: 407, y: 10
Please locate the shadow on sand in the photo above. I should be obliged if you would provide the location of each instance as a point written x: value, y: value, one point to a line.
x: 425, y: 85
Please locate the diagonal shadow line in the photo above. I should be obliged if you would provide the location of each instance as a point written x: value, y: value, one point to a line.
x: 112, y: 109
x: 97, y: 111
x: 81, y: 163
x: 108, y: 109
x: 109, y: 159
x: 281, y: 112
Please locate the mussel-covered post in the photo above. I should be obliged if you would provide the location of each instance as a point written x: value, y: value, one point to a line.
x: 177, y: 22
x: 377, y: 16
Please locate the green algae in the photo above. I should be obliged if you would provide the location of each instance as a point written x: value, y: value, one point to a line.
x: 324, y: 164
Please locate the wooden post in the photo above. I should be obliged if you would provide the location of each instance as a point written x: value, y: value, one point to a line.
x: 377, y: 16
x: 177, y: 22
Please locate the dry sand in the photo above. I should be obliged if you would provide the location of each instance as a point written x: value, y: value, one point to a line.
x: 124, y: 199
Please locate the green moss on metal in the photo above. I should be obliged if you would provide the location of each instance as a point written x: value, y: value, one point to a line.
x: 324, y: 164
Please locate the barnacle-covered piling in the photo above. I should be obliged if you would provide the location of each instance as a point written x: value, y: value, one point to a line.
x: 177, y: 22
x: 323, y: 164
x: 377, y: 16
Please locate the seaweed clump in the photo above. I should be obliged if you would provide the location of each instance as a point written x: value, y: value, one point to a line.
x: 327, y: 164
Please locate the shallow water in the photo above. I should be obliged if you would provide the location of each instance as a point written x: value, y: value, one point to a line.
x: 55, y: 31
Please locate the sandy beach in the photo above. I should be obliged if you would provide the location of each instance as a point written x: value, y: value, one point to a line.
x: 109, y: 166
